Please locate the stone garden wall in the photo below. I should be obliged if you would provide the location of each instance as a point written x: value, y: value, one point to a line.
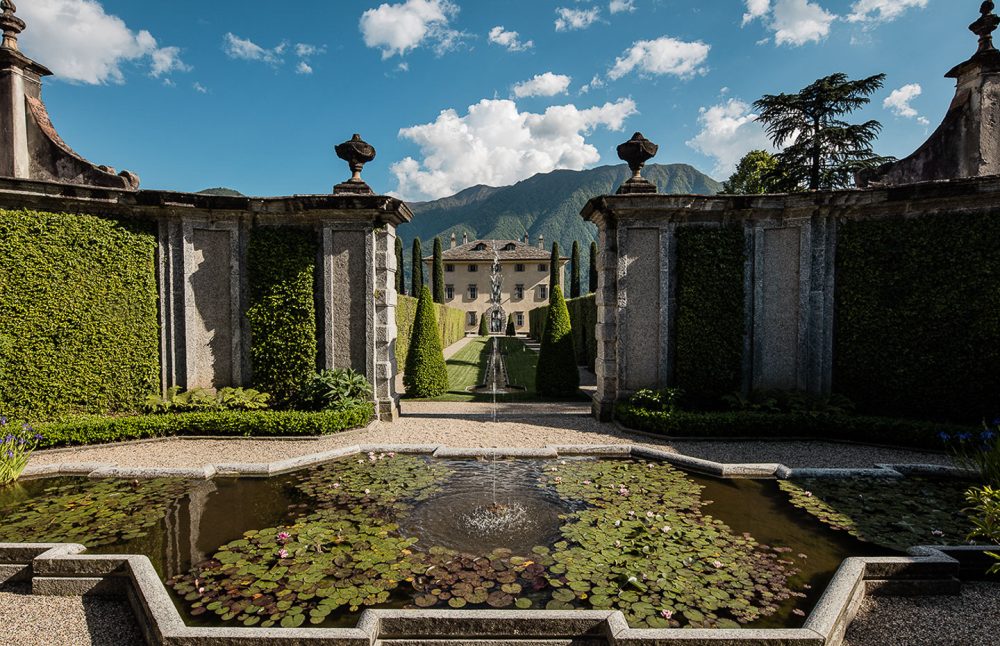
x: 107, y: 295
x: 890, y: 296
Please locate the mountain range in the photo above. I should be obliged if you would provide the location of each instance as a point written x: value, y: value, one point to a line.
x: 547, y: 204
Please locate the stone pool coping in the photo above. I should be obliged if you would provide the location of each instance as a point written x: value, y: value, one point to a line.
x: 68, y: 570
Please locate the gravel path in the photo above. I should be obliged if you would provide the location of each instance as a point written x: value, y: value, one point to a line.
x: 27, y: 620
x: 427, y: 427
x: 973, y: 619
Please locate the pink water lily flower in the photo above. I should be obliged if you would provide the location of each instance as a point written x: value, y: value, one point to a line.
x: 666, y: 614
x: 282, y: 553
x: 717, y: 564
x: 650, y: 514
x: 284, y: 536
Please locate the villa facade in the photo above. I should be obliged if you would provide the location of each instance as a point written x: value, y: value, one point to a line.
x: 468, y: 279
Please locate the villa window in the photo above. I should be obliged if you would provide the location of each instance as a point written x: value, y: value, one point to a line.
x: 543, y: 292
x: 470, y: 319
x: 449, y: 268
x: 543, y: 267
x: 480, y: 247
x: 473, y: 268
x: 519, y: 319
x: 519, y: 292
x: 519, y: 267
x: 449, y: 292
x: 473, y: 292
x: 510, y: 247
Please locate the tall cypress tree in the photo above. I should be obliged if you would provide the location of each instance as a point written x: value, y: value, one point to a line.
x: 400, y: 274
x: 437, y: 272
x: 593, y: 267
x: 574, y: 281
x: 555, y: 271
x: 556, y: 374
x: 417, y: 274
x: 426, y: 373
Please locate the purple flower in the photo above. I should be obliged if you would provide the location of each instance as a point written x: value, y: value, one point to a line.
x: 944, y: 437
x: 3, y: 421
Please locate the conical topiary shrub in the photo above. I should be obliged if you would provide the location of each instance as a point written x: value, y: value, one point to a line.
x: 484, y: 326
x: 511, y: 328
x: 557, y: 374
x: 426, y: 374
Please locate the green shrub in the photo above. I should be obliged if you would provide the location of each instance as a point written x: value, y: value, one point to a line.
x: 789, y: 401
x: 665, y: 400
x: 101, y: 430
x: 335, y: 390
x: 583, y: 320
x: 281, y: 266
x: 985, y: 516
x: 594, y: 275
x: 79, y: 324
x: 202, y: 399
x: 917, y: 332
x: 574, y: 273
x: 818, y: 426
x: 437, y: 272
x: 511, y: 328
x: 400, y: 274
x: 416, y: 269
x: 484, y: 326
x: 451, y: 322
x: 557, y: 374
x: 555, y: 270
x: 710, y: 308
x: 426, y: 373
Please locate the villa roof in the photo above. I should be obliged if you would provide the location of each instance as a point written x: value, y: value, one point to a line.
x: 508, y: 250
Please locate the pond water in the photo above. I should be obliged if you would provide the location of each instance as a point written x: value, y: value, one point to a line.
x: 318, y: 546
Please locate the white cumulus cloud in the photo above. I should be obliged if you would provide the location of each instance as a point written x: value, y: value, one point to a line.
x: 793, y: 22
x: 664, y: 55
x: 509, y: 39
x: 572, y: 19
x: 728, y: 132
x: 247, y: 50
x: 399, y: 28
x: 547, y: 84
x: 82, y: 43
x: 619, y: 6
x: 497, y: 144
x: 900, y: 102
x: 875, y: 11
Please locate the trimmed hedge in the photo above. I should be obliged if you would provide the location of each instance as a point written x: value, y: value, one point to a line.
x: 281, y: 266
x: 710, y: 316
x: 557, y: 375
x: 583, y: 318
x: 451, y: 322
x: 728, y: 425
x: 917, y: 332
x: 79, y: 325
x: 101, y: 430
x: 426, y: 374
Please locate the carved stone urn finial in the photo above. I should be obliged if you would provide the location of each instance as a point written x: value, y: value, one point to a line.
x: 985, y: 26
x: 11, y: 25
x: 356, y: 153
x: 636, y: 152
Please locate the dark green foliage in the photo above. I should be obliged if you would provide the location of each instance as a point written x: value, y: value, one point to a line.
x: 511, y: 328
x: 664, y: 400
x: 101, y: 430
x: 593, y: 275
x: 281, y: 263
x: 818, y: 426
x: 555, y: 270
x: 789, y: 401
x: 426, y: 373
x: 574, y: 281
x: 484, y: 326
x: 984, y: 513
x: 79, y: 326
x: 583, y: 320
x: 756, y: 174
x: 710, y: 325
x: 400, y: 274
x: 451, y: 321
x: 437, y: 272
x: 917, y: 332
x: 335, y: 390
x: 204, y: 400
x: 557, y: 374
x: 820, y: 149
x: 416, y: 269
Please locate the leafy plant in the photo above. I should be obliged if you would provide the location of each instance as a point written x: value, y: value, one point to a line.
x: 979, y: 452
x: 16, y: 446
x: 557, y: 374
x: 985, y: 517
x: 789, y: 401
x: 666, y: 400
x: 335, y: 390
x: 426, y: 374
x: 204, y: 400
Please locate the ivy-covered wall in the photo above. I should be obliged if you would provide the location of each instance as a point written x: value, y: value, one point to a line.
x: 281, y: 265
x: 917, y: 330
x: 710, y: 312
x: 583, y: 318
x: 79, y: 326
x: 451, y: 321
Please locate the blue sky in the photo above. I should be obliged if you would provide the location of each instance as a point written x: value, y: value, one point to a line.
x: 253, y: 95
